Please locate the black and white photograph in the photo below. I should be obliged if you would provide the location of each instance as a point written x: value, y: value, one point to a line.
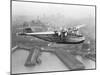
x: 52, y: 37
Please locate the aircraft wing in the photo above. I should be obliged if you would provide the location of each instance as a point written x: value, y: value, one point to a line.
x: 37, y: 33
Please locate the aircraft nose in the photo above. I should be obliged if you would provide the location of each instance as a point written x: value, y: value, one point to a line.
x: 83, y: 38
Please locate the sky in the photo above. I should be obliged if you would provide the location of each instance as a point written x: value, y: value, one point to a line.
x: 45, y: 9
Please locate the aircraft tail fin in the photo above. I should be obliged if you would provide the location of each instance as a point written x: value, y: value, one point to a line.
x: 27, y: 30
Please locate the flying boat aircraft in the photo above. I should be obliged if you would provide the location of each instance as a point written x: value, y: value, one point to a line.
x: 65, y: 36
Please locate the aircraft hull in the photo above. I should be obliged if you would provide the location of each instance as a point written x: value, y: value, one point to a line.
x: 66, y: 40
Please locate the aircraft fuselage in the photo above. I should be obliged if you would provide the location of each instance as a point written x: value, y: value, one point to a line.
x: 57, y: 39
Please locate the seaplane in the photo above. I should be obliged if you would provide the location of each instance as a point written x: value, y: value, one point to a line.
x: 64, y: 36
